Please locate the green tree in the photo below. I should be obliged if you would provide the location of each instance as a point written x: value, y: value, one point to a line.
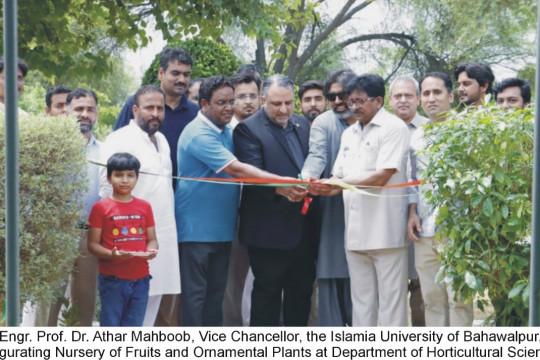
x: 480, y: 163
x: 528, y: 72
x: 53, y: 32
x: 449, y: 32
x: 209, y: 58
x: 325, y: 59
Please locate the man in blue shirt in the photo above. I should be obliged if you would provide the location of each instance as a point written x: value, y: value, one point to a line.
x: 174, y: 74
x: 206, y: 212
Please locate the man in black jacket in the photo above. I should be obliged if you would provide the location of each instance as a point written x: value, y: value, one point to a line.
x: 272, y: 225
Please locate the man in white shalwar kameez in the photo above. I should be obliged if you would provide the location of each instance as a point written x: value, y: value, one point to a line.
x: 141, y: 139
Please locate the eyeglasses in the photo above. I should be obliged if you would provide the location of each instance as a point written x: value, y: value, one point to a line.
x: 358, y: 102
x: 225, y: 102
x: 342, y: 95
x: 245, y: 96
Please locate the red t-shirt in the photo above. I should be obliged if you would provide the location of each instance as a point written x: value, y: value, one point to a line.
x: 123, y: 225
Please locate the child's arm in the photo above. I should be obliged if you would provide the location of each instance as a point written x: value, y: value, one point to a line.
x: 151, y: 242
x: 95, y: 247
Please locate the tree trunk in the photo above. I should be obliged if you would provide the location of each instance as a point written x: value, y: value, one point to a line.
x: 260, y: 56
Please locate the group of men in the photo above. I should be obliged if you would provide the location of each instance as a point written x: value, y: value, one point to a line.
x: 352, y: 244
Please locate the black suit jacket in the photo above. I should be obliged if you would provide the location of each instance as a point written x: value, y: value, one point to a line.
x: 269, y: 220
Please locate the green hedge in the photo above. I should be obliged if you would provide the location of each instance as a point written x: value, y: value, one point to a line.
x: 52, y: 177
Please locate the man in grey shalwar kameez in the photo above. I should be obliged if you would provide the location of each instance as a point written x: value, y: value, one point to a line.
x: 335, y: 306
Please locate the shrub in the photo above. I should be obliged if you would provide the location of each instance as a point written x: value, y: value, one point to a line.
x: 52, y: 173
x: 480, y: 162
x: 107, y: 118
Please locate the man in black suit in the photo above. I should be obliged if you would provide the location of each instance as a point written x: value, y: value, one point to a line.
x: 272, y: 225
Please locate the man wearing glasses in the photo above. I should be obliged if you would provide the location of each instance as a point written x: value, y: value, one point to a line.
x: 206, y: 212
x: 335, y: 307
x: 373, y: 154
x: 247, y: 87
x: 246, y: 94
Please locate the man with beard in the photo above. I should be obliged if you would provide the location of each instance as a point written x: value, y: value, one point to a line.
x: 312, y: 101
x: 475, y: 81
x: 83, y: 104
x: 441, y: 306
x: 206, y: 212
x: 373, y: 153
x: 404, y: 98
x: 174, y: 74
x: 142, y: 139
x: 335, y: 308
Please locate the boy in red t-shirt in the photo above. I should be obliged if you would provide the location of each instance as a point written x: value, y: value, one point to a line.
x: 122, y: 235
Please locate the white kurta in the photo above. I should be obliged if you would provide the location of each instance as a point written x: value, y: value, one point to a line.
x: 158, y: 191
x: 373, y: 223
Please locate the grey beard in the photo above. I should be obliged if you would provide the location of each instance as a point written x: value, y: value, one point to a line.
x: 343, y: 116
x: 85, y: 128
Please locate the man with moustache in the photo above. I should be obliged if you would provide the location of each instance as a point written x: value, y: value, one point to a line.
x: 174, y: 74
x: 246, y: 94
x: 373, y: 153
x: 312, y: 101
x: 83, y: 104
x: 404, y: 99
x: 335, y: 307
x: 441, y: 309
x: 475, y: 81
x: 274, y: 229
x: 22, y: 70
x: 142, y: 139
x: 513, y: 93
x: 206, y: 212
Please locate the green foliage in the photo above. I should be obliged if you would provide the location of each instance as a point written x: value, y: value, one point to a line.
x: 32, y: 99
x: 113, y: 88
x: 528, y: 72
x: 480, y: 162
x: 70, y: 315
x: 107, y: 118
x: 209, y: 58
x: 52, y: 177
x: 53, y: 32
x: 450, y: 32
